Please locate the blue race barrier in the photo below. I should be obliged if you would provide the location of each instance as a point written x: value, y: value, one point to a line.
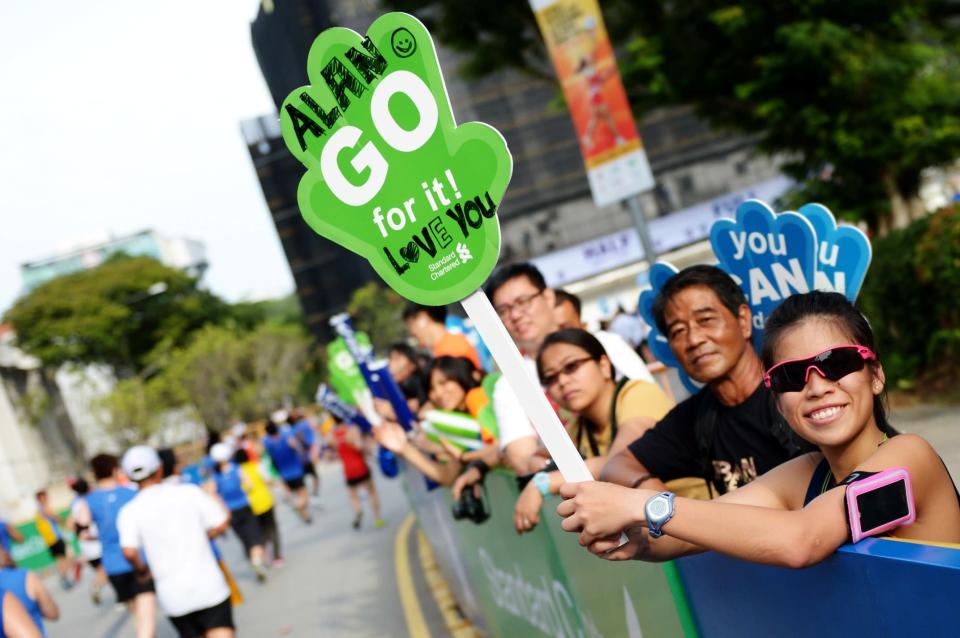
x: 878, y: 587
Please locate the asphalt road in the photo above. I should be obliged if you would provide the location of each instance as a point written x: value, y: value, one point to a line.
x: 336, y: 581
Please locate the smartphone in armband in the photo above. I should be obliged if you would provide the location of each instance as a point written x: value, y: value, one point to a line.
x: 879, y: 502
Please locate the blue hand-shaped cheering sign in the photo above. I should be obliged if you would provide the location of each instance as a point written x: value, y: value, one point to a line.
x: 843, y: 255
x: 771, y: 256
x: 659, y: 274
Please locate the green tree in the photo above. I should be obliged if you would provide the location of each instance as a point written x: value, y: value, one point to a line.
x: 208, y: 375
x: 283, y: 310
x: 133, y: 410
x: 124, y: 313
x: 858, y: 96
x: 276, y: 360
x: 377, y: 311
x: 226, y: 373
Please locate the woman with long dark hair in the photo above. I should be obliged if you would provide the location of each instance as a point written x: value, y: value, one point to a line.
x: 827, y: 381
x: 607, y: 413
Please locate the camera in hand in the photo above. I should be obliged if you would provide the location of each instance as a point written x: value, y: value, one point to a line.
x: 470, y: 507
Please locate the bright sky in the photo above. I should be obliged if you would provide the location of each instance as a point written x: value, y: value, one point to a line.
x: 119, y: 116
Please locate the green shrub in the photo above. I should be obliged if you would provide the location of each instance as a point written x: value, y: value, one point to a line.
x: 910, y: 296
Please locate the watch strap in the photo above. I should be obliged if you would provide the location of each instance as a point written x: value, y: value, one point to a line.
x: 541, y: 480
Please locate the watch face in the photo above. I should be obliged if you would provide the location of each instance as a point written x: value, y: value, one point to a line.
x: 659, y: 507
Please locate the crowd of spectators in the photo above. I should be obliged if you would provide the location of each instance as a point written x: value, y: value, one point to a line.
x: 754, y: 447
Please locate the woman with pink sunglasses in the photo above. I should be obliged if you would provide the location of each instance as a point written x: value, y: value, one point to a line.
x: 865, y: 480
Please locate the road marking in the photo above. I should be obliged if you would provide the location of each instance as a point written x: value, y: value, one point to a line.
x: 416, y: 624
x: 457, y: 625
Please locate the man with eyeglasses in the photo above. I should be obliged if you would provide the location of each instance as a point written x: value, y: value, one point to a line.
x: 526, y: 305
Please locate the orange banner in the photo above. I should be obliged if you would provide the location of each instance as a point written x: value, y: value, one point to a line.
x: 583, y: 57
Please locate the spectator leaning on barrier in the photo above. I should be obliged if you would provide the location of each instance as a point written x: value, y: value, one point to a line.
x: 567, y: 313
x: 172, y: 525
x: 607, y: 413
x: 405, y: 366
x: 728, y: 433
x: 828, y: 383
x: 520, y: 296
x: 456, y: 388
x: 426, y: 325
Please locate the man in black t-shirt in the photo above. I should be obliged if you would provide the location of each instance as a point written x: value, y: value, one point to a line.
x: 728, y: 433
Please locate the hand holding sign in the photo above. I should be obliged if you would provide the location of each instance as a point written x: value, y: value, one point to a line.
x: 390, y: 174
x: 393, y: 178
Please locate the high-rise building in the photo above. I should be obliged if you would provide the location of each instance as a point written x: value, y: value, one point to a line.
x: 325, y: 273
x: 547, y: 207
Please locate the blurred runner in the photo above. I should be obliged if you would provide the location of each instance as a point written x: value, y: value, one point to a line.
x: 233, y: 486
x: 261, y: 502
x: 29, y: 590
x: 8, y: 536
x: 172, y: 474
x: 101, y: 507
x: 284, y: 450
x: 91, y: 551
x: 48, y: 526
x: 349, y: 442
x: 306, y: 436
x: 15, y: 622
x: 172, y: 524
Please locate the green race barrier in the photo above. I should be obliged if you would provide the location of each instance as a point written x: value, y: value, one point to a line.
x: 544, y: 584
x: 32, y: 553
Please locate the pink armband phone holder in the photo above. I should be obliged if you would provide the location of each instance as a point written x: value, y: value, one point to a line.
x: 879, y: 502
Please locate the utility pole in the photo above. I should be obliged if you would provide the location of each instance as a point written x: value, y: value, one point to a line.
x: 640, y: 223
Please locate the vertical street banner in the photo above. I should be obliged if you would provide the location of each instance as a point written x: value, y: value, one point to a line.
x: 582, y: 55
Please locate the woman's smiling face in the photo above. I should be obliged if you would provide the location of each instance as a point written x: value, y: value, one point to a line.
x: 446, y: 393
x: 826, y: 413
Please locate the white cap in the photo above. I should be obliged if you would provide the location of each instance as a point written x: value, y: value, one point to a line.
x: 221, y: 452
x: 278, y: 417
x: 239, y: 429
x: 140, y: 462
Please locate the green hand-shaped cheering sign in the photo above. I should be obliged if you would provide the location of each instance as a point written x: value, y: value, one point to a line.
x: 390, y: 174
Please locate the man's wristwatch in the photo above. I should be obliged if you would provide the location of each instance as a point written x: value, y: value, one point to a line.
x: 541, y: 480
x: 657, y: 511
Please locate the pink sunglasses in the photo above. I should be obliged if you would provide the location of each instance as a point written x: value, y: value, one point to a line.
x: 833, y: 364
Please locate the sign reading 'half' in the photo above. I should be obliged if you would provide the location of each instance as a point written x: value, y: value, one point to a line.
x: 390, y: 174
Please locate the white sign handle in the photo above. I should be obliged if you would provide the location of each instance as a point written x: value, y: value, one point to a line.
x: 545, y: 420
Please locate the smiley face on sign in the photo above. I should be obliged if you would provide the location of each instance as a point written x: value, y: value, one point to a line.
x: 390, y: 174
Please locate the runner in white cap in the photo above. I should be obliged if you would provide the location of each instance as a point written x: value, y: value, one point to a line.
x: 172, y: 524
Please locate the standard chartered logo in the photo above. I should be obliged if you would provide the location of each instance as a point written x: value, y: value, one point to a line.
x: 464, y: 253
x: 547, y: 606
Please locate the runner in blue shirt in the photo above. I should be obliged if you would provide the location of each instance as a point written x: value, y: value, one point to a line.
x: 285, y: 451
x: 232, y: 486
x: 303, y: 430
x: 29, y: 590
x: 15, y: 622
x: 8, y: 536
x: 104, y: 505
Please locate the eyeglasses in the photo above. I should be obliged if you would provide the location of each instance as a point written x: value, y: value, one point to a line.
x: 569, y: 368
x: 833, y: 364
x: 521, y: 304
